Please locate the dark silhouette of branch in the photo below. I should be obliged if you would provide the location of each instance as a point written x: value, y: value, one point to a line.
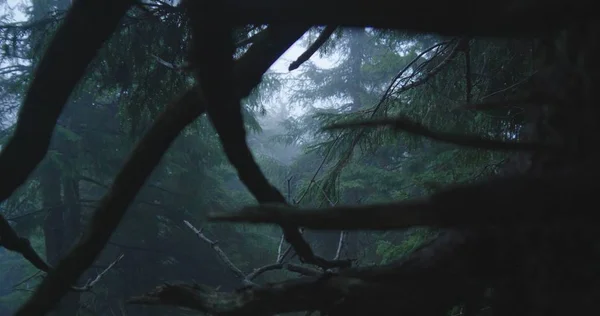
x: 457, y: 18
x: 211, y: 57
x: 407, y: 125
x: 503, y: 201
x: 247, y: 278
x: 87, y: 26
x: 115, y: 202
x: 312, y: 49
x: 10, y: 240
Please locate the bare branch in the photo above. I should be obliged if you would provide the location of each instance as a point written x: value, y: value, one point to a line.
x: 323, y: 37
x: 90, y: 284
x: 247, y: 279
x: 503, y: 201
x: 280, y: 249
x: 10, y: 240
x: 222, y: 255
x: 340, y: 246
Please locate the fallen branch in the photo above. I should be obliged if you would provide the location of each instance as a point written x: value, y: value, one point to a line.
x: 405, y: 124
x: 437, y: 272
x: 312, y: 49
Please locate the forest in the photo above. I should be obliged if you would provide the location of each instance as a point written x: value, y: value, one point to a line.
x: 167, y: 157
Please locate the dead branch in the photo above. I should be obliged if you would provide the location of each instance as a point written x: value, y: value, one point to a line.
x: 90, y: 284
x: 312, y: 49
x: 280, y: 249
x: 405, y: 287
x: 87, y: 25
x: 247, y: 279
x: 403, y: 123
x: 214, y: 245
x: 340, y: 246
x: 503, y: 201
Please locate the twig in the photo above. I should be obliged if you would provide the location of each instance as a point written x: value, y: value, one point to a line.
x: 247, y: 278
x: 340, y: 246
x: 280, y: 249
x: 222, y: 255
x: 88, y: 286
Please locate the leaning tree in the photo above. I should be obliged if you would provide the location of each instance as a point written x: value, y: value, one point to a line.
x: 520, y: 243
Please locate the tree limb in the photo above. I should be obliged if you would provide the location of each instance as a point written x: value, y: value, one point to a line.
x: 323, y: 37
x: 211, y: 58
x: 504, y: 201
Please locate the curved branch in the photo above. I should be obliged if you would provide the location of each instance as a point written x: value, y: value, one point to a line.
x: 87, y: 26
x: 114, y: 204
x: 212, y: 58
x: 323, y: 37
